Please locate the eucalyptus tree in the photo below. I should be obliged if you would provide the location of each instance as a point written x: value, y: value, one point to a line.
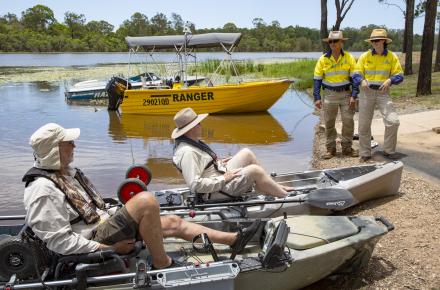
x: 37, y: 18
x: 424, y: 79
x: 75, y: 23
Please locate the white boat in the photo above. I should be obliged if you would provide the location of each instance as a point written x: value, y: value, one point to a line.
x: 96, y: 89
x: 316, y: 192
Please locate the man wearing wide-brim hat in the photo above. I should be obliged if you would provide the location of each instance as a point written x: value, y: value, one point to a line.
x: 376, y: 70
x: 333, y: 73
x: 210, y: 177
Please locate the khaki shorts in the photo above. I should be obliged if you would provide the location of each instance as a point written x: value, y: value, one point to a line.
x: 236, y: 187
x: 118, y: 227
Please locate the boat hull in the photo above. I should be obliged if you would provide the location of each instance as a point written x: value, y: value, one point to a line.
x: 233, y: 98
x: 345, y: 255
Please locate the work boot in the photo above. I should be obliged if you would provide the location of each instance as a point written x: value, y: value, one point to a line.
x: 329, y: 154
x: 350, y: 152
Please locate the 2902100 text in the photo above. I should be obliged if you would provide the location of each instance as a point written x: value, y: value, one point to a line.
x: 156, y: 102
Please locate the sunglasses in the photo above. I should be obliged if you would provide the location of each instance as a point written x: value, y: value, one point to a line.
x: 333, y: 41
x: 68, y: 142
x: 375, y: 40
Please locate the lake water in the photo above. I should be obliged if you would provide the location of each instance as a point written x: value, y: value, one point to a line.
x: 90, y: 59
x: 110, y: 143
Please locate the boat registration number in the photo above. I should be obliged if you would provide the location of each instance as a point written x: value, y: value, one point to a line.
x: 156, y: 102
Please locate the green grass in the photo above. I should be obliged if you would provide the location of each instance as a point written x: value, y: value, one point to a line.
x: 301, y: 70
x: 406, y: 92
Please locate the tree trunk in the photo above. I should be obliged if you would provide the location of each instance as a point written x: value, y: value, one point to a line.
x: 324, y: 31
x: 437, y: 56
x: 424, y: 80
x: 340, y: 12
x: 408, y: 36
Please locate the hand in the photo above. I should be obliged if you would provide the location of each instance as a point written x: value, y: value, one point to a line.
x: 225, y: 160
x: 318, y: 104
x: 364, y: 85
x: 229, y: 175
x: 385, y: 86
x: 352, y: 103
x: 122, y: 247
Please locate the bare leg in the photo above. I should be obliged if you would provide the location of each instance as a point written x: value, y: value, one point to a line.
x: 144, y: 210
x: 174, y: 226
x: 264, y: 183
x: 243, y: 158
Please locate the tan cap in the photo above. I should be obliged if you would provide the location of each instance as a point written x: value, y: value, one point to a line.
x: 45, y: 142
x: 379, y: 33
x: 334, y: 35
x: 185, y: 120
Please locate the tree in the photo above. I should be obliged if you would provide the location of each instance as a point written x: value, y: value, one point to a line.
x: 138, y: 25
x: 159, y: 24
x: 75, y: 22
x: 100, y: 27
x: 424, y: 80
x: 324, y: 31
x: 177, y: 22
x: 437, y: 56
x: 37, y: 18
x: 340, y: 12
x: 408, y: 36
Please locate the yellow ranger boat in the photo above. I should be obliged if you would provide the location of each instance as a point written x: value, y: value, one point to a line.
x: 243, y: 97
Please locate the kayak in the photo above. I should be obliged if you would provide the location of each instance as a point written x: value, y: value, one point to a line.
x: 364, y: 182
x: 282, y: 254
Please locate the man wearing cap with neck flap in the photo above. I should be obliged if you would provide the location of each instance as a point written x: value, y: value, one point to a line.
x: 66, y: 211
x: 207, y: 175
x: 333, y: 73
x: 376, y: 70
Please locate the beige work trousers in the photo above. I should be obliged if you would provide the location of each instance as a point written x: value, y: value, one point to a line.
x: 368, y: 100
x: 333, y: 102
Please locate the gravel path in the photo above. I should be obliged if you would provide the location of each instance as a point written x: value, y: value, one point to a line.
x: 409, y: 256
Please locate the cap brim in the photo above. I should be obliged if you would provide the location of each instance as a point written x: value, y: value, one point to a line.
x: 71, y: 134
x: 179, y: 132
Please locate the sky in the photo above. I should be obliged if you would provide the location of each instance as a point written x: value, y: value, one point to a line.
x: 214, y: 14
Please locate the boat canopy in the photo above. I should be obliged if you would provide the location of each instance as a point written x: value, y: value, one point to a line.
x: 193, y: 41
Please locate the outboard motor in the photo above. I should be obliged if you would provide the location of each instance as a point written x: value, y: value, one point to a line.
x: 115, y: 89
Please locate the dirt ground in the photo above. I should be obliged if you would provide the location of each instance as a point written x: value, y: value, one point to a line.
x: 409, y: 256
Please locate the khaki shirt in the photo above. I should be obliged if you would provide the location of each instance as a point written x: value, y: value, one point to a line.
x: 49, y: 214
x: 192, y: 162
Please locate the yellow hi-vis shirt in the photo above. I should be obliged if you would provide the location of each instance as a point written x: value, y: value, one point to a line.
x: 377, y: 68
x: 335, y: 73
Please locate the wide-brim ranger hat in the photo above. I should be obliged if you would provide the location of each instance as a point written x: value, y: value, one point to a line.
x: 185, y: 120
x: 379, y: 33
x: 45, y: 143
x: 334, y: 35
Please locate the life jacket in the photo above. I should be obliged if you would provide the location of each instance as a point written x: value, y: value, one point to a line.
x: 205, y: 148
x: 86, y: 211
x: 202, y: 146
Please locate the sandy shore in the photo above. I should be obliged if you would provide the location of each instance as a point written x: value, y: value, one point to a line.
x: 409, y: 256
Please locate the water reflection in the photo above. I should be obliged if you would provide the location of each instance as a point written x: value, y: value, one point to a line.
x: 257, y: 129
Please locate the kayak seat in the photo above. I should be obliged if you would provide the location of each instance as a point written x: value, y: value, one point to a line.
x: 307, y: 232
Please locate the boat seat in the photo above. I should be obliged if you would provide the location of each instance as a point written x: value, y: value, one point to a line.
x: 307, y: 232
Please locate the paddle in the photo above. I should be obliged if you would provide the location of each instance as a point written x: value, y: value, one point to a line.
x: 326, y: 198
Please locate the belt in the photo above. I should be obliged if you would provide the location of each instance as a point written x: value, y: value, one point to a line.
x: 338, y: 89
x: 374, y: 87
